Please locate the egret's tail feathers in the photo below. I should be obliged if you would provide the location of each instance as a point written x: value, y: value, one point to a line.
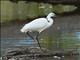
x: 22, y: 30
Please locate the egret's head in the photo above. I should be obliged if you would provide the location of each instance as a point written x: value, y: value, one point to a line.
x: 51, y: 15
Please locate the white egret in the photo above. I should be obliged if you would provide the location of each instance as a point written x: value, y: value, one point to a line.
x: 38, y: 25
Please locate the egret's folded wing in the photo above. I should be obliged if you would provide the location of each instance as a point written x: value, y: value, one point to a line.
x: 37, y: 24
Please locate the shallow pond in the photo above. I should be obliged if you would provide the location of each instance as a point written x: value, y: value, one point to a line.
x: 28, y: 42
x: 63, y: 35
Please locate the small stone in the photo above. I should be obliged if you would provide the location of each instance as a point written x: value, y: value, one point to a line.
x: 12, y: 59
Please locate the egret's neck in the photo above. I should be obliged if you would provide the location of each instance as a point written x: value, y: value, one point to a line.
x: 49, y: 19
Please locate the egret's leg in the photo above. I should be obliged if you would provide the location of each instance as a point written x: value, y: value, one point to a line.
x: 33, y: 38
x: 30, y: 35
x: 38, y: 39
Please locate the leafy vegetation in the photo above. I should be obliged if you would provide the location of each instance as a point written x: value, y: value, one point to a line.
x: 22, y: 10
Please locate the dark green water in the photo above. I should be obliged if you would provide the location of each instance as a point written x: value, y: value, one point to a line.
x: 67, y: 41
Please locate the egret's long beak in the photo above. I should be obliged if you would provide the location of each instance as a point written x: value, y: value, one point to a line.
x: 55, y: 16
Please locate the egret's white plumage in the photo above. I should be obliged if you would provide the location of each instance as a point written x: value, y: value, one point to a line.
x: 39, y: 24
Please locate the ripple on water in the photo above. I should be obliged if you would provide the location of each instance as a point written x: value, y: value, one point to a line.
x: 15, y: 42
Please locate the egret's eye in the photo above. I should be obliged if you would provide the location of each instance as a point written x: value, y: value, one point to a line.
x: 52, y: 17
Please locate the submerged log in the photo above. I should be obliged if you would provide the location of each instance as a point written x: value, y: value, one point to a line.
x: 30, y: 53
